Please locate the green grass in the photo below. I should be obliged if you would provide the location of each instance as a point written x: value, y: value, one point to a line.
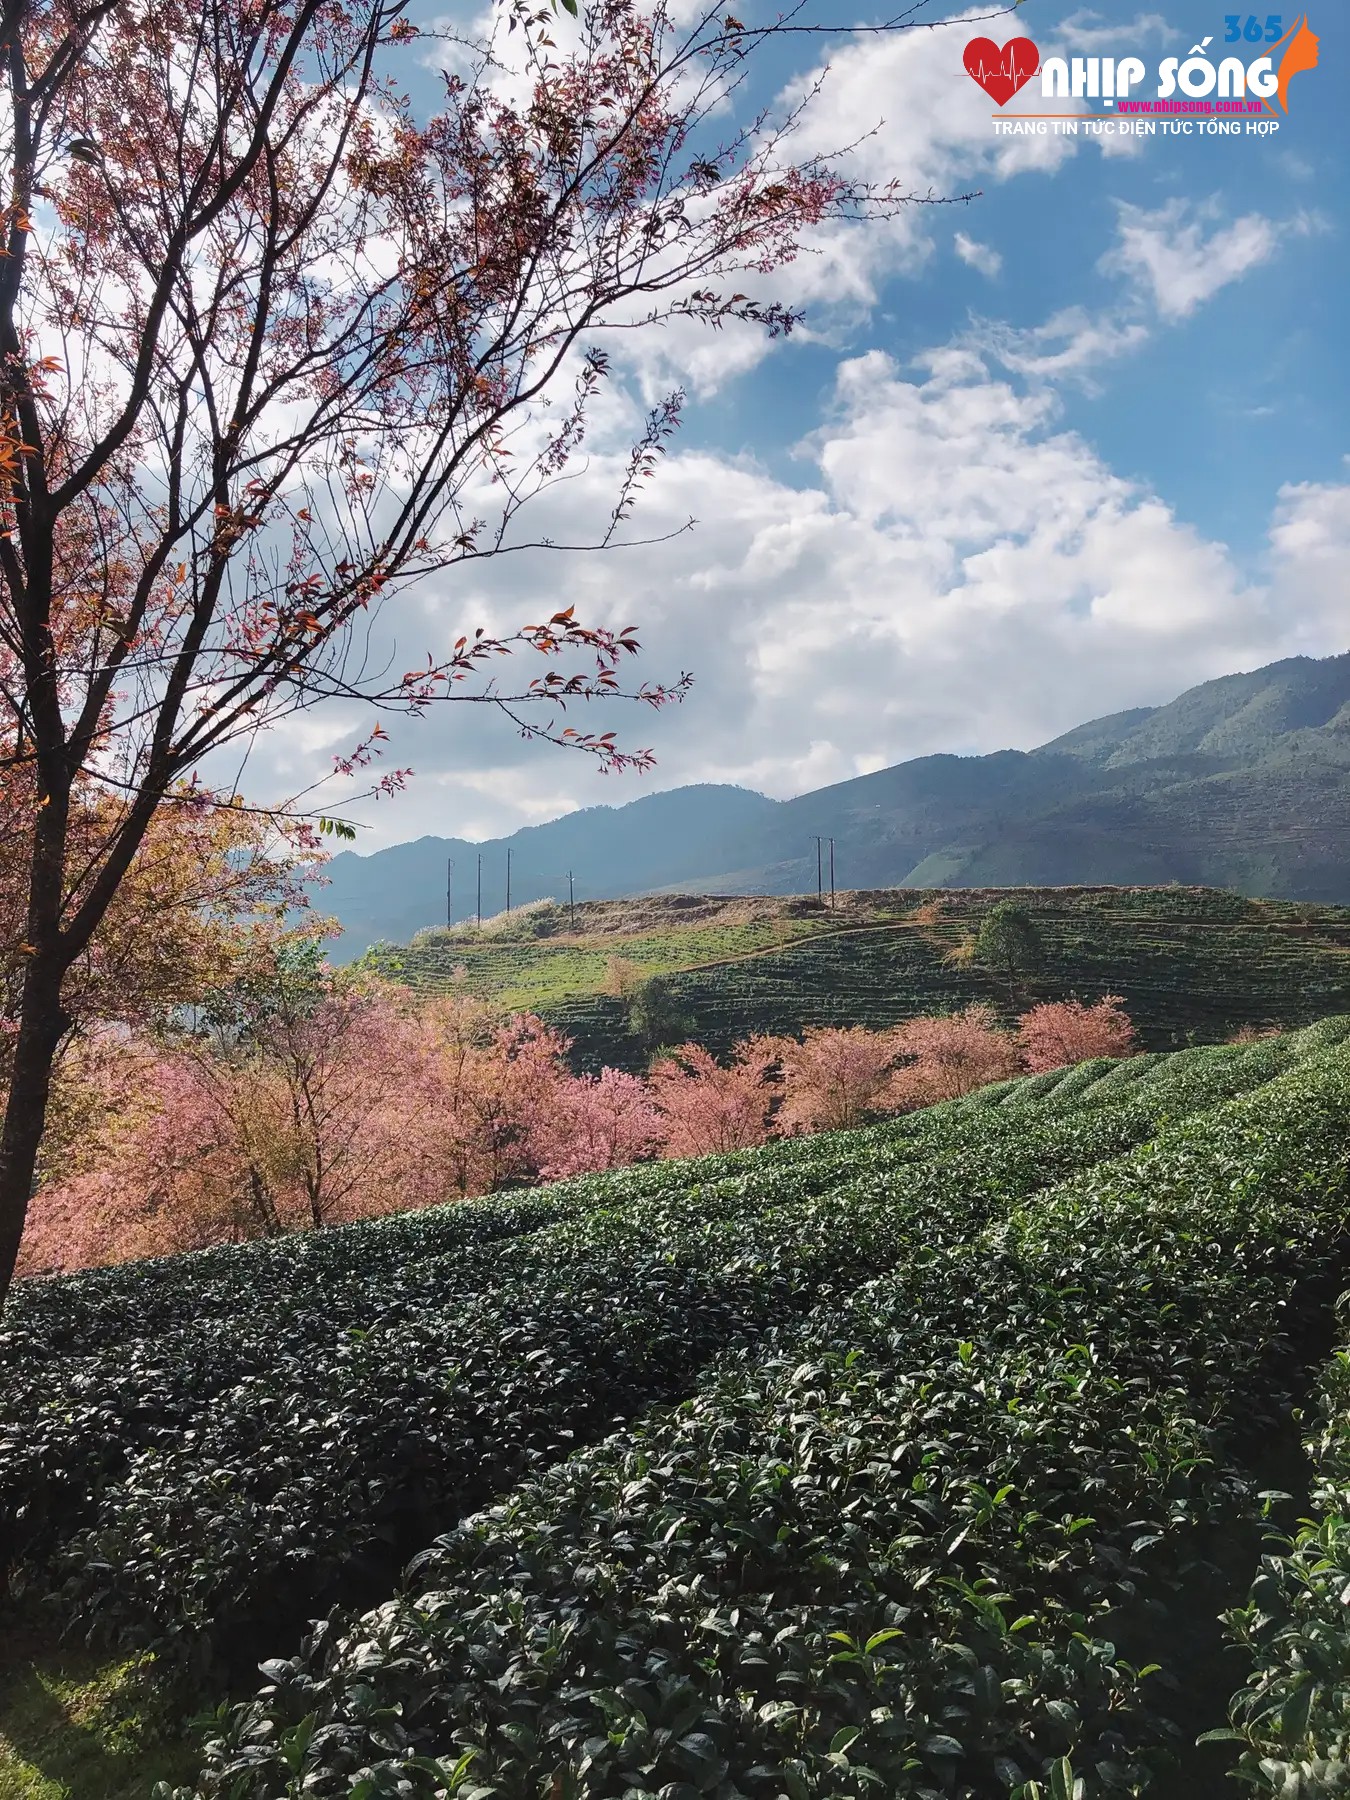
x: 78, y: 1726
x: 532, y: 975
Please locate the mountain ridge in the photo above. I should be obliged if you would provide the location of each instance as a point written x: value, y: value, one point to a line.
x: 1242, y: 782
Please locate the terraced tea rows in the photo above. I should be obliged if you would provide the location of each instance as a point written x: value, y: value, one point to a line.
x: 890, y: 1554
x: 534, y: 973
x: 258, y: 1464
x: 974, y: 1377
x: 1187, y: 962
x: 1174, y: 979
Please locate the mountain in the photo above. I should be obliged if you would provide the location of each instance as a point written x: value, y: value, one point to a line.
x: 1240, y: 783
x: 631, y: 849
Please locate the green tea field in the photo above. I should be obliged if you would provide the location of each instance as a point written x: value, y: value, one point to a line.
x: 1190, y: 963
x: 919, y: 1460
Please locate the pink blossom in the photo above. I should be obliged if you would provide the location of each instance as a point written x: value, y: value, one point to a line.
x: 950, y: 1056
x: 709, y: 1108
x: 598, y: 1122
x: 1061, y: 1032
x: 833, y: 1078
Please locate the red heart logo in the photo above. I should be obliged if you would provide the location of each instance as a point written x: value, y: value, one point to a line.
x: 1002, y: 72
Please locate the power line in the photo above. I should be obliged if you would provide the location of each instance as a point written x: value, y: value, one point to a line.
x: 449, y: 888
x: 831, y: 874
x: 479, y: 907
x: 508, y: 879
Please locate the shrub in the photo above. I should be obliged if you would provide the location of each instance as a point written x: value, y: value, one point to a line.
x: 950, y: 1056
x: 1060, y: 1032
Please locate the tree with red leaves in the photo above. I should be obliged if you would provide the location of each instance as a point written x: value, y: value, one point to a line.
x: 950, y: 1056
x: 1060, y: 1032
x: 272, y: 348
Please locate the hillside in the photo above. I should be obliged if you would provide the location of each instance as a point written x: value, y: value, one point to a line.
x: 866, y: 1463
x: 1189, y: 962
x: 1241, y: 783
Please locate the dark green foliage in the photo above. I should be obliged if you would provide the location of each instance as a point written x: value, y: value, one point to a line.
x: 655, y: 1016
x: 889, y: 1555
x: 1009, y: 946
x: 189, y: 1446
x: 859, y: 1465
x: 265, y: 1466
x: 1292, y: 1719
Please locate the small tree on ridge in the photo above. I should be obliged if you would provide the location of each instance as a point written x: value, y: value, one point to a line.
x: 1009, y: 946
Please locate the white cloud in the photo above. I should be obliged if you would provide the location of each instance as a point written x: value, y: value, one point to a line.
x: 955, y: 570
x: 980, y: 256
x: 1087, y: 31
x: 1181, y: 256
x: 1073, y: 343
x: 1310, y: 539
x: 907, y: 113
x: 1171, y: 260
x: 961, y: 573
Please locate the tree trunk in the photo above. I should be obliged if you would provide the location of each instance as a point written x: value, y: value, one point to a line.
x: 264, y: 1203
x: 43, y: 1022
x: 314, y: 1193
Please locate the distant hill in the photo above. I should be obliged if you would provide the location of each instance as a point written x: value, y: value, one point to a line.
x: 610, y: 849
x: 1192, y: 964
x: 1242, y: 783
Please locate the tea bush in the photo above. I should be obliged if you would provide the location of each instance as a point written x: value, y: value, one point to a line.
x: 204, y: 1460
x: 1292, y: 1718
x: 888, y: 1555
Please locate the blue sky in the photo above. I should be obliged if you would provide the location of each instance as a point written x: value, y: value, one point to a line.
x: 1069, y: 448
x: 1166, y: 415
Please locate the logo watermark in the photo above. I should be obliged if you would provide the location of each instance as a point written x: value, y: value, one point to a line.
x: 1223, y: 90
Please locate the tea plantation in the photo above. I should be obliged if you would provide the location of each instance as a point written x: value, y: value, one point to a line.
x: 1191, y: 963
x: 919, y: 1461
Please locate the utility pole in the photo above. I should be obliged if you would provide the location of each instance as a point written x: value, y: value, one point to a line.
x: 571, y: 904
x: 831, y: 874
x: 820, y: 886
x: 508, y: 879
x: 479, y: 907
x: 449, y: 888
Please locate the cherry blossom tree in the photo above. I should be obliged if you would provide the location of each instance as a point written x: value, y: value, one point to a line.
x: 309, y: 1099
x: 503, y: 1096
x: 200, y: 902
x: 834, y: 1078
x: 596, y: 1122
x: 950, y: 1056
x: 194, y: 1163
x: 322, y: 1062
x: 273, y: 348
x: 708, y: 1107
x: 1061, y: 1032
